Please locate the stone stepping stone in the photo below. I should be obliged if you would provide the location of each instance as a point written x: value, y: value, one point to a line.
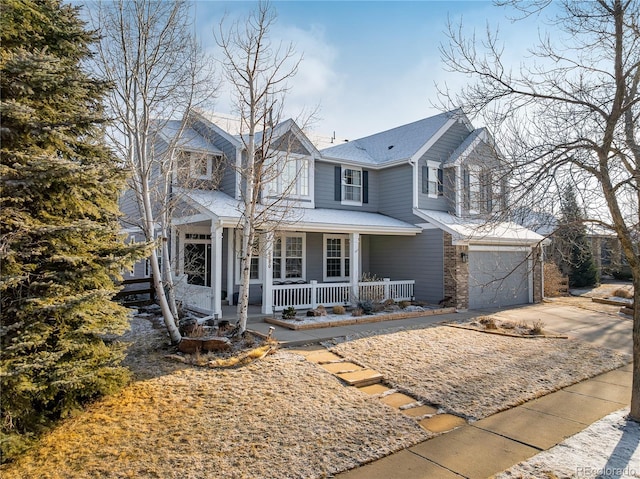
x: 324, y: 357
x: 419, y: 411
x: 364, y: 377
x: 397, y: 400
x: 375, y: 389
x: 341, y: 367
x: 442, y: 423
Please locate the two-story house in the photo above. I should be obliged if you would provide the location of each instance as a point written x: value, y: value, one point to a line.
x: 407, y: 205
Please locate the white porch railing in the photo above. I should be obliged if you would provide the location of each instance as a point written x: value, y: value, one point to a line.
x: 197, y: 298
x: 301, y: 296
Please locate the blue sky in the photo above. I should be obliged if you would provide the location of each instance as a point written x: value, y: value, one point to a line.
x: 369, y: 66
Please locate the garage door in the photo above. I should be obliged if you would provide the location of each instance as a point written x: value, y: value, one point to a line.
x: 498, y: 278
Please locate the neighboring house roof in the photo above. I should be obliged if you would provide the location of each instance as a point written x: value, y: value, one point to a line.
x: 228, y: 210
x: 471, y: 230
x: 400, y: 143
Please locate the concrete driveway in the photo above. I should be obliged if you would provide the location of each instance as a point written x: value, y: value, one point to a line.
x: 576, y: 317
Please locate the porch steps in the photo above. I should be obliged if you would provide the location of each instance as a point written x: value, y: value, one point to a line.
x: 371, y: 382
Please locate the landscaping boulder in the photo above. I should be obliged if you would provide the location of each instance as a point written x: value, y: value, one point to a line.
x: 211, y: 343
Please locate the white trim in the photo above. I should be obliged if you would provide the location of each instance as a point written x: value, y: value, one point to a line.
x: 343, y: 256
x: 363, y: 164
x: 482, y: 137
x: 231, y: 248
x: 427, y: 226
x: 434, y: 138
x: 185, y: 220
x: 504, y: 248
x: 459, y: 190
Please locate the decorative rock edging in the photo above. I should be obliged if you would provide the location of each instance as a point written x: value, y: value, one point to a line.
x: 359, y: 319
x: 505, y: 333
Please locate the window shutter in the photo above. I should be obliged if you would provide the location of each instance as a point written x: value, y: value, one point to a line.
x: 440, y: 182
x: 365, y: 186
x: 425, y: 180
x: 337, y: 192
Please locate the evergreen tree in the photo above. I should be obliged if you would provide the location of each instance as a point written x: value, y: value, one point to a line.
x: 576, y: 257
x: 59, y: 241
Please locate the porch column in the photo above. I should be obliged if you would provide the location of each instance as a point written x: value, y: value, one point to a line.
x: 231, y: 262
x: 267, y: 273
x: 354, y: 264
x: 216, y: 269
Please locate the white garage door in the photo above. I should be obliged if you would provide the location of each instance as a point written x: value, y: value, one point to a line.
x: 498, y: 278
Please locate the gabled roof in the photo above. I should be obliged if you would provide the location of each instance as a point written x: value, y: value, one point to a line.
x: 227, y: 210
x: 397, y: 144
x: 471, y: 230
x: 467, y: 146
x: 189, y: 140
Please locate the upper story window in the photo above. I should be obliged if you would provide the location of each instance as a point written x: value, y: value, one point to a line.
x: 202, y: 165
x: 432, y: 180
x: 471, y: 180
x: 351, y: 185
x: 288, y: 176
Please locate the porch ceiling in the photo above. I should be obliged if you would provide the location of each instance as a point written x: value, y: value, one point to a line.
x: 227, y: 210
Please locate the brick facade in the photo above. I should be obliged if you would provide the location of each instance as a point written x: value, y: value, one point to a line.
x: 456, y: 274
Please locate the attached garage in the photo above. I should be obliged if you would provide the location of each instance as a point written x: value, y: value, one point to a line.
x: 499, y: 277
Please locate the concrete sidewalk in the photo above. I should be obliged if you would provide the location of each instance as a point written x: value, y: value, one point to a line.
x: 488, y: 446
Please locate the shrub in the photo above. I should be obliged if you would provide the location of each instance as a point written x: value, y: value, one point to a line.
x: 366, y: 306
x: 623, y: 293
x: 289, y: 313
x: 404, y: 304
x: 357, y: 312
x: 488, y: 322
x: 338, y: 310
x: 555, y: 284
x: 537, y: 327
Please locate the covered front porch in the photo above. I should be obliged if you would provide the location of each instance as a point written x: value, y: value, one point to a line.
x: 321, y: 258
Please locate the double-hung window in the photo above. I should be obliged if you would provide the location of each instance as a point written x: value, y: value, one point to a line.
x: 432, y: 180
x: 472, y: 189
x: 336, y: 257
x: 351, y: 185
x: 255, y: 265
x: 288, y: 257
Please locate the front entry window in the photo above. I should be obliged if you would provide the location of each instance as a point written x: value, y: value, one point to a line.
x: 197, y: 259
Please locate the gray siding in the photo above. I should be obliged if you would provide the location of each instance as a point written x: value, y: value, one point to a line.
x: 440, y: 152
x: 325, y: 194
x: 396, y: 192
x: 228, y: 181
x: 417, y: 257
x: 314, y: 257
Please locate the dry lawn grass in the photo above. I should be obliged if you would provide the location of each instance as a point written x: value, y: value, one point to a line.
x: 474, y: 374
x: 280, y: 417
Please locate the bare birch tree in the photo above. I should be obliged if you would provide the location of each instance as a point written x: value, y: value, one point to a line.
x: 258, y: 71
x: 569, y: 114
x: 149, y: 53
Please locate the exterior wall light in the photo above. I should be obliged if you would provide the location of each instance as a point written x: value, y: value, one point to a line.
x: 464, y: 257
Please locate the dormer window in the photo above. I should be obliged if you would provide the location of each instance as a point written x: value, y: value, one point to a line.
x: 288, y: 176
x: 201, y: 165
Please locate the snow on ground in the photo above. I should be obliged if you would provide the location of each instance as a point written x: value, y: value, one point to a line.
x: 608, y: 449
